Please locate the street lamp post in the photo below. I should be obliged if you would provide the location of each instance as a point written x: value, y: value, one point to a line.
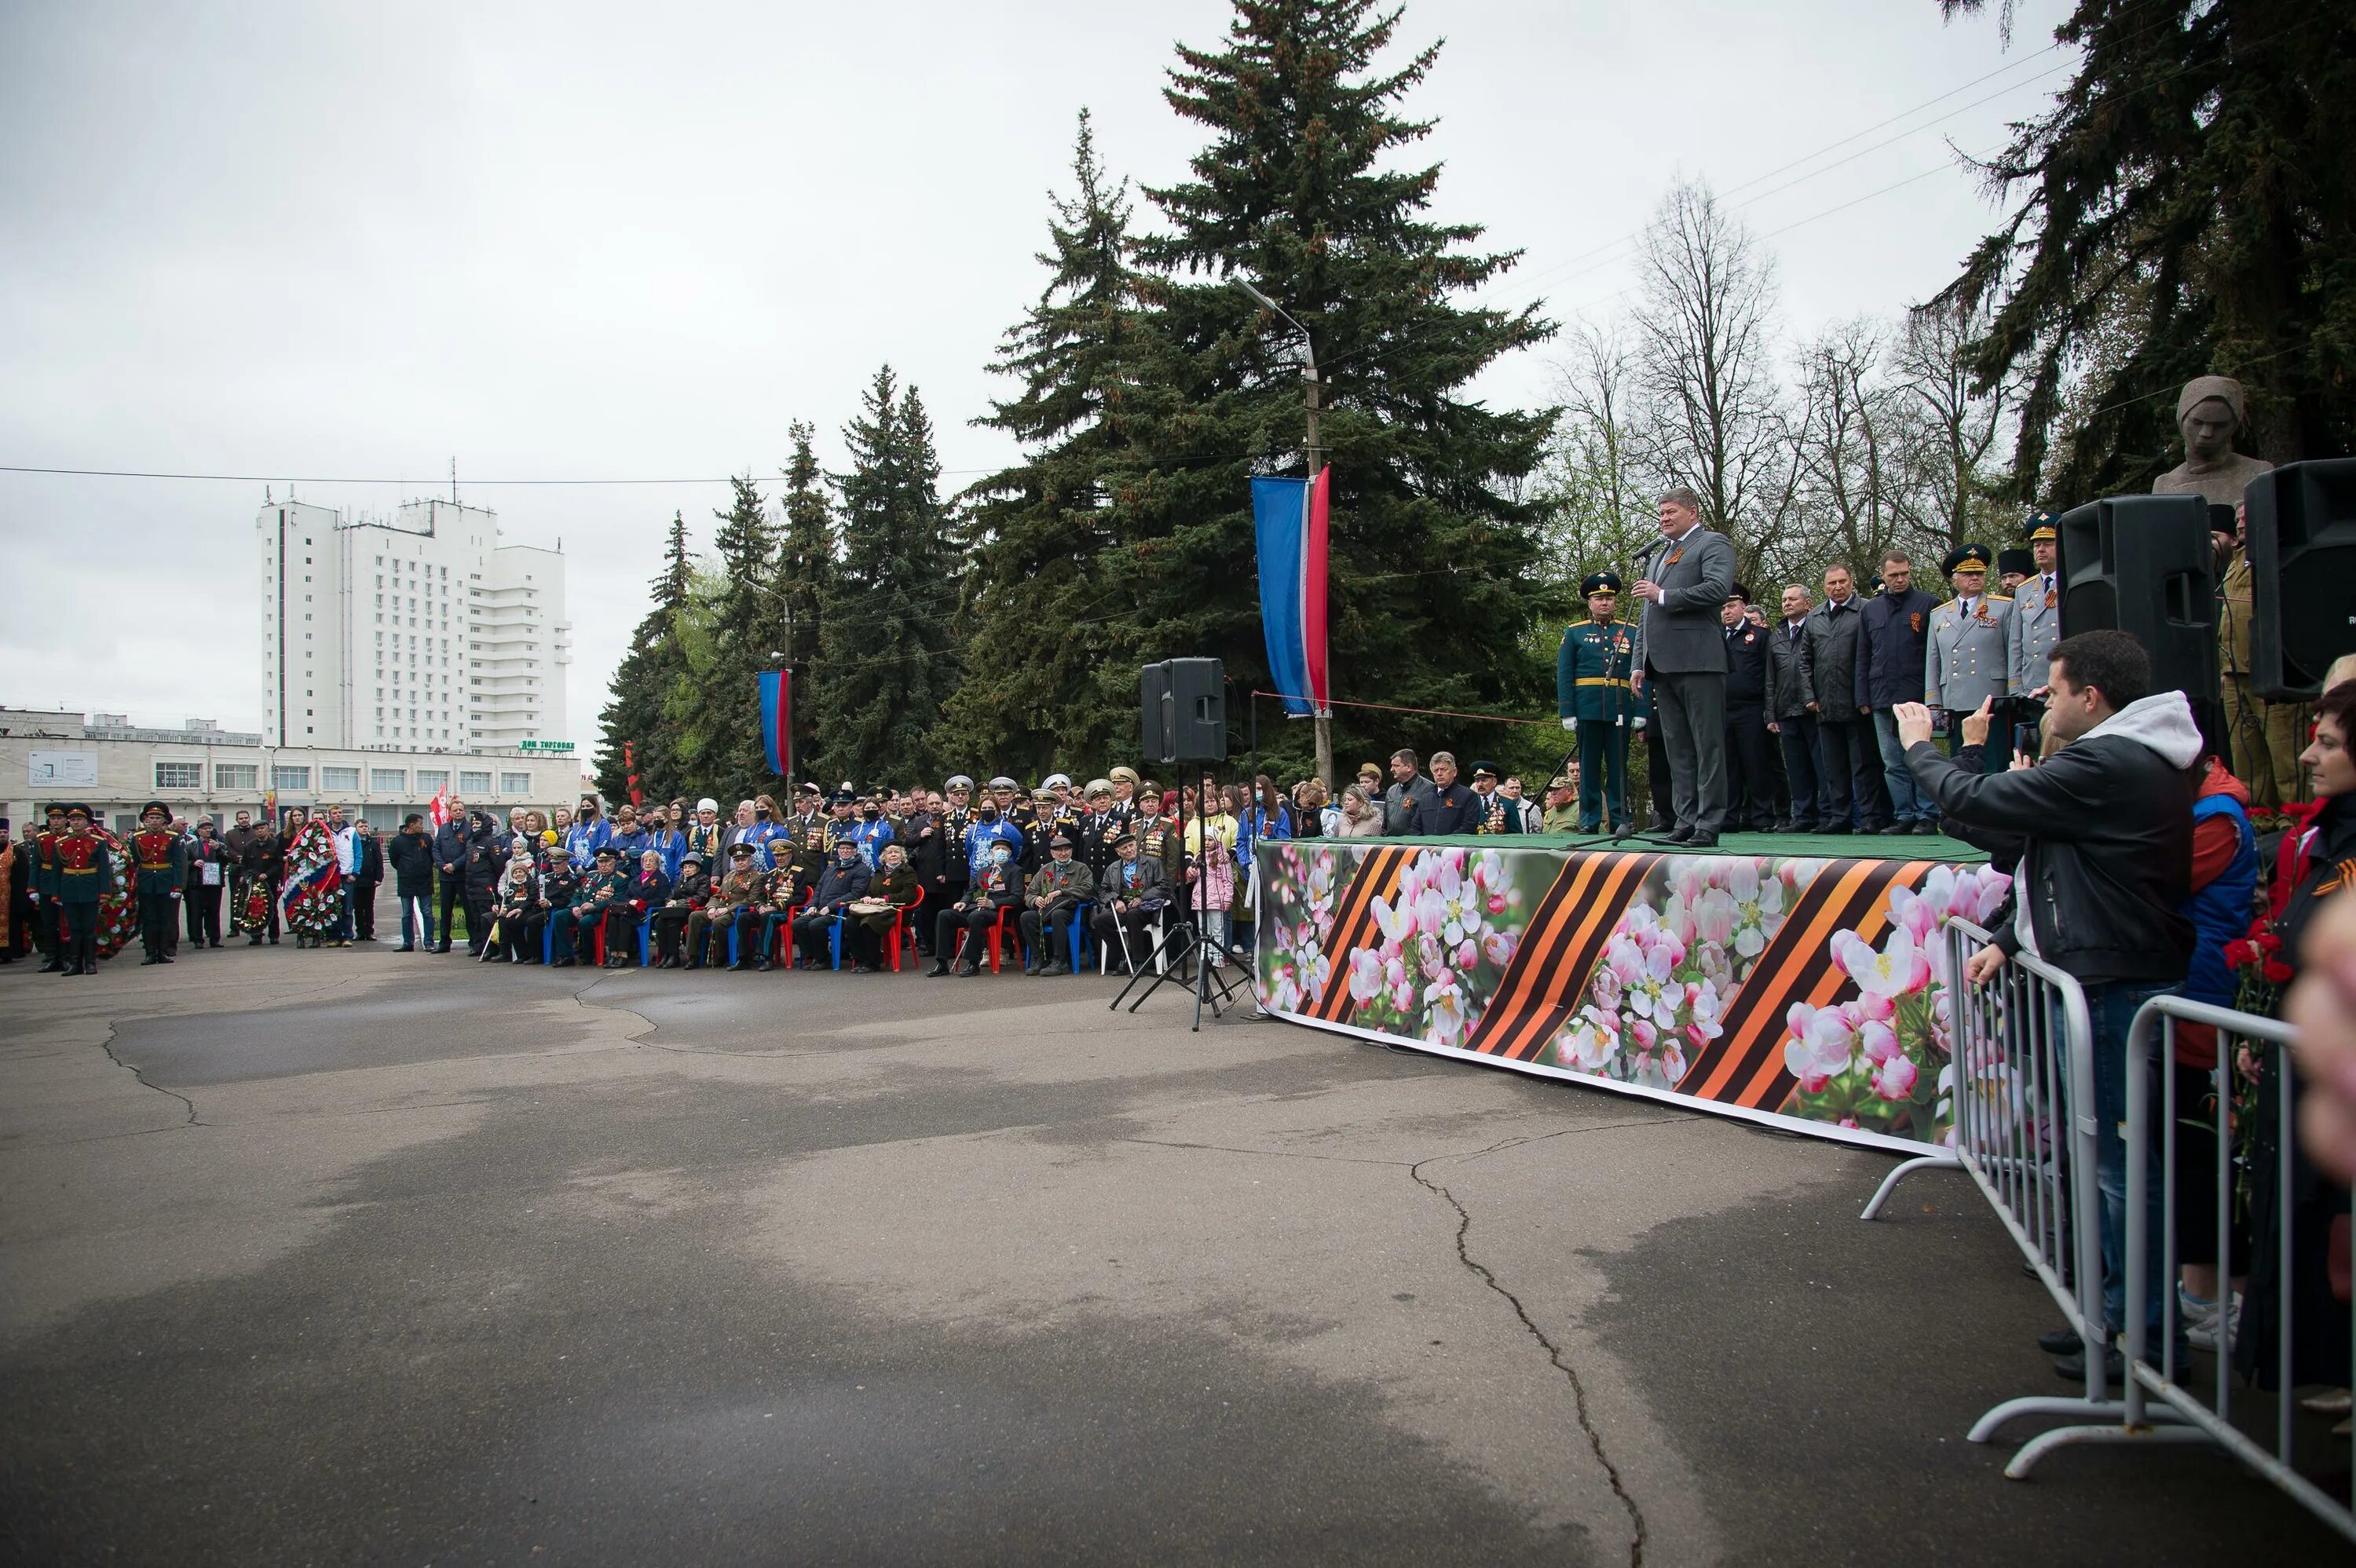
x: 1315, y: 452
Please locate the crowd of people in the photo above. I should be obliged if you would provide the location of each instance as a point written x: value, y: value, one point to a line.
x: 841, y: 879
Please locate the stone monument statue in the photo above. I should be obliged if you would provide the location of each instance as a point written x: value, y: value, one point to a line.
x: 2209, y: 411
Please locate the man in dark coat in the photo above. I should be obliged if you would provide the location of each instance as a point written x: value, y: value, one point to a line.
x: 450, y: 861
x: 1893, y: 636
x: 1450, y: 807
x: 411, y: 857
x: 1847, y: 760
x: 1788, y: 718
x: 1749, y: 779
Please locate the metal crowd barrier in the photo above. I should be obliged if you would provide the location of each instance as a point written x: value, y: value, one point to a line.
x: 2195, y: 1419
x: 2022, y: 1060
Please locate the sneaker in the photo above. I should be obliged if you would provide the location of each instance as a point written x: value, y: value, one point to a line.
x: 2203, y: 1335
x: 2060, y: 1342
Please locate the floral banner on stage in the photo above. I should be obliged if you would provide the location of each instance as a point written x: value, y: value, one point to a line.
x: 1808, y: 992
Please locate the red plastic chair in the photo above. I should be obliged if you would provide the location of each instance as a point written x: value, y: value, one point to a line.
x: 1010, y: 918
x: 785, y: 952
x: 901, y: 934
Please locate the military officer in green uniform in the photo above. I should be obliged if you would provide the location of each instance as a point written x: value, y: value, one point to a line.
x: 1590, y: 678
x: 1964, y: 664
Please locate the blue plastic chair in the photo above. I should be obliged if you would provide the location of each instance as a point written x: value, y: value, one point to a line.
x: 1078, y: 940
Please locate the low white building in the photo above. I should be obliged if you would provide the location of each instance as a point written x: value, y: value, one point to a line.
x: 115, y: 768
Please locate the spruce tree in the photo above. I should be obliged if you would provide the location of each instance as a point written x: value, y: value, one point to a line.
x: 884, y: 663
x: 805, y: 580
x: 1433, y: 556
x: 636, y: 713
x: 1059, y: 685
x: 717, y: 706
x: 2194, y: 183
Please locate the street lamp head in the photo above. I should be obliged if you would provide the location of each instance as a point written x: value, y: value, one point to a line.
x: 1246, y: 284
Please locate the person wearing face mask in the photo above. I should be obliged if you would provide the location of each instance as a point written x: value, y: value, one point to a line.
x: 961, y: 932
x: 590, y: 832
x: 872, y: 832
x: 845, y: 882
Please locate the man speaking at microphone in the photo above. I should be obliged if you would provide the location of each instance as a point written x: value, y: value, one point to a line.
x: 1681, y: 661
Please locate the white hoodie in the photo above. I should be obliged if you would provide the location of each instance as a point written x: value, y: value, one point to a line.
x: 2163, y: 721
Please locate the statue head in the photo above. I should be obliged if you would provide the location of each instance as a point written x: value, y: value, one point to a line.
x: 2208, y: 410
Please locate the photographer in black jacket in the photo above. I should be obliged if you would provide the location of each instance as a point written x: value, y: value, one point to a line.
x: 2105, y: 830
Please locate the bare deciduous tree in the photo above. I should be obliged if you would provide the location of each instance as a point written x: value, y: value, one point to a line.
x: 1952, y: 496
x: 1704, y: 356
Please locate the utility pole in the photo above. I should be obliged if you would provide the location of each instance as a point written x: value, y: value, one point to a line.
x: 1315, y: 451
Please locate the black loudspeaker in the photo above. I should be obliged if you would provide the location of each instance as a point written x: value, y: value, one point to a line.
x: 1184, y: 711
x: 2145, y: 565
x: 2302, y: 545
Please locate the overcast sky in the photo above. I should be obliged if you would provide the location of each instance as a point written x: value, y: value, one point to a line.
x: 587, y: 241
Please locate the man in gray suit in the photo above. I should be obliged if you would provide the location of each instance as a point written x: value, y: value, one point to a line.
x: 1681, y: 658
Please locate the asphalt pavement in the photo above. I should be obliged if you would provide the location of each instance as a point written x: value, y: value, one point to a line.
x: 355, y: 1256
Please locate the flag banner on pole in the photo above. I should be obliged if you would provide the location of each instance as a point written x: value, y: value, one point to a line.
x: 1290, y: 517
x: 630, y: 769
x: 437, y: 811
x: 777, y: 719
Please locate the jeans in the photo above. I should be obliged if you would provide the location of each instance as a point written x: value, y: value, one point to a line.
x: 417, y: 931
x: 2110, y: 1008
x: 1907, y: 801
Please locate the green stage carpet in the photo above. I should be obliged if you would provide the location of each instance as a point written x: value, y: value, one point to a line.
x: 1813, y: 846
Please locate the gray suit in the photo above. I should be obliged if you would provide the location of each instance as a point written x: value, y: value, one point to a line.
x: 1681, y: 649
x: 2035, y: 627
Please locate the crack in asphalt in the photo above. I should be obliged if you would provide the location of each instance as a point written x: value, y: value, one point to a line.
x: 1554, y: 1351
x: 107, y: 1045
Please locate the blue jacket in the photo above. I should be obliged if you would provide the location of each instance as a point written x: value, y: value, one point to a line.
x: 585, y: 839
x: 978, y: 840
x: 1894, y: 636
x: 2219, y: 912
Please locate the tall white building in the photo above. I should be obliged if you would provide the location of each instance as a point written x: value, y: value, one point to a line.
x: 423, y: 632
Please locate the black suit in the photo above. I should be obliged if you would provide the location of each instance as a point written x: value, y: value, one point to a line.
x: 1749, y: 779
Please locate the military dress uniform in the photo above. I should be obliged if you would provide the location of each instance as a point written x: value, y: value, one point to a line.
x: 558, y: 884
x: 1591, y: 689
x: 737, y: 888
x: 1964, y: 662
x: 2035, y: 627
x: 84, y: 868
x: 1057, y: 890
x: 962, y: 930
x: 1492, y: 812
x: 162, y: 859
x: 48, y: 910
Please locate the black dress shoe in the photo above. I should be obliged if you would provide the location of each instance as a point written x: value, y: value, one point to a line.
x: 1702, y: 839
x: 1927, y: 828
x: 2060, y: 1342
x: 2073, y: 1368
x: 937, y: 971
x: 967, y: 971
x: 1897, y: 829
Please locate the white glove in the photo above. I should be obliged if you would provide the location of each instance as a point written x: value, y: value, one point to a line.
x: 1571, y: 725
x: 1635, y: 723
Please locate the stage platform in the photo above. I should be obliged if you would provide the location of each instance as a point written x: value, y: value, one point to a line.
x: 1821, y: 846
x: 1797, y: 980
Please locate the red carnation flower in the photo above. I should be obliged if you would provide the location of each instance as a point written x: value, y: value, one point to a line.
x: 2277, y: 972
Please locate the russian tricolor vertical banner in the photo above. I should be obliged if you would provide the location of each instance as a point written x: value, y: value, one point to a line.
x: 777, y: 721
x: 1289, y: 516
